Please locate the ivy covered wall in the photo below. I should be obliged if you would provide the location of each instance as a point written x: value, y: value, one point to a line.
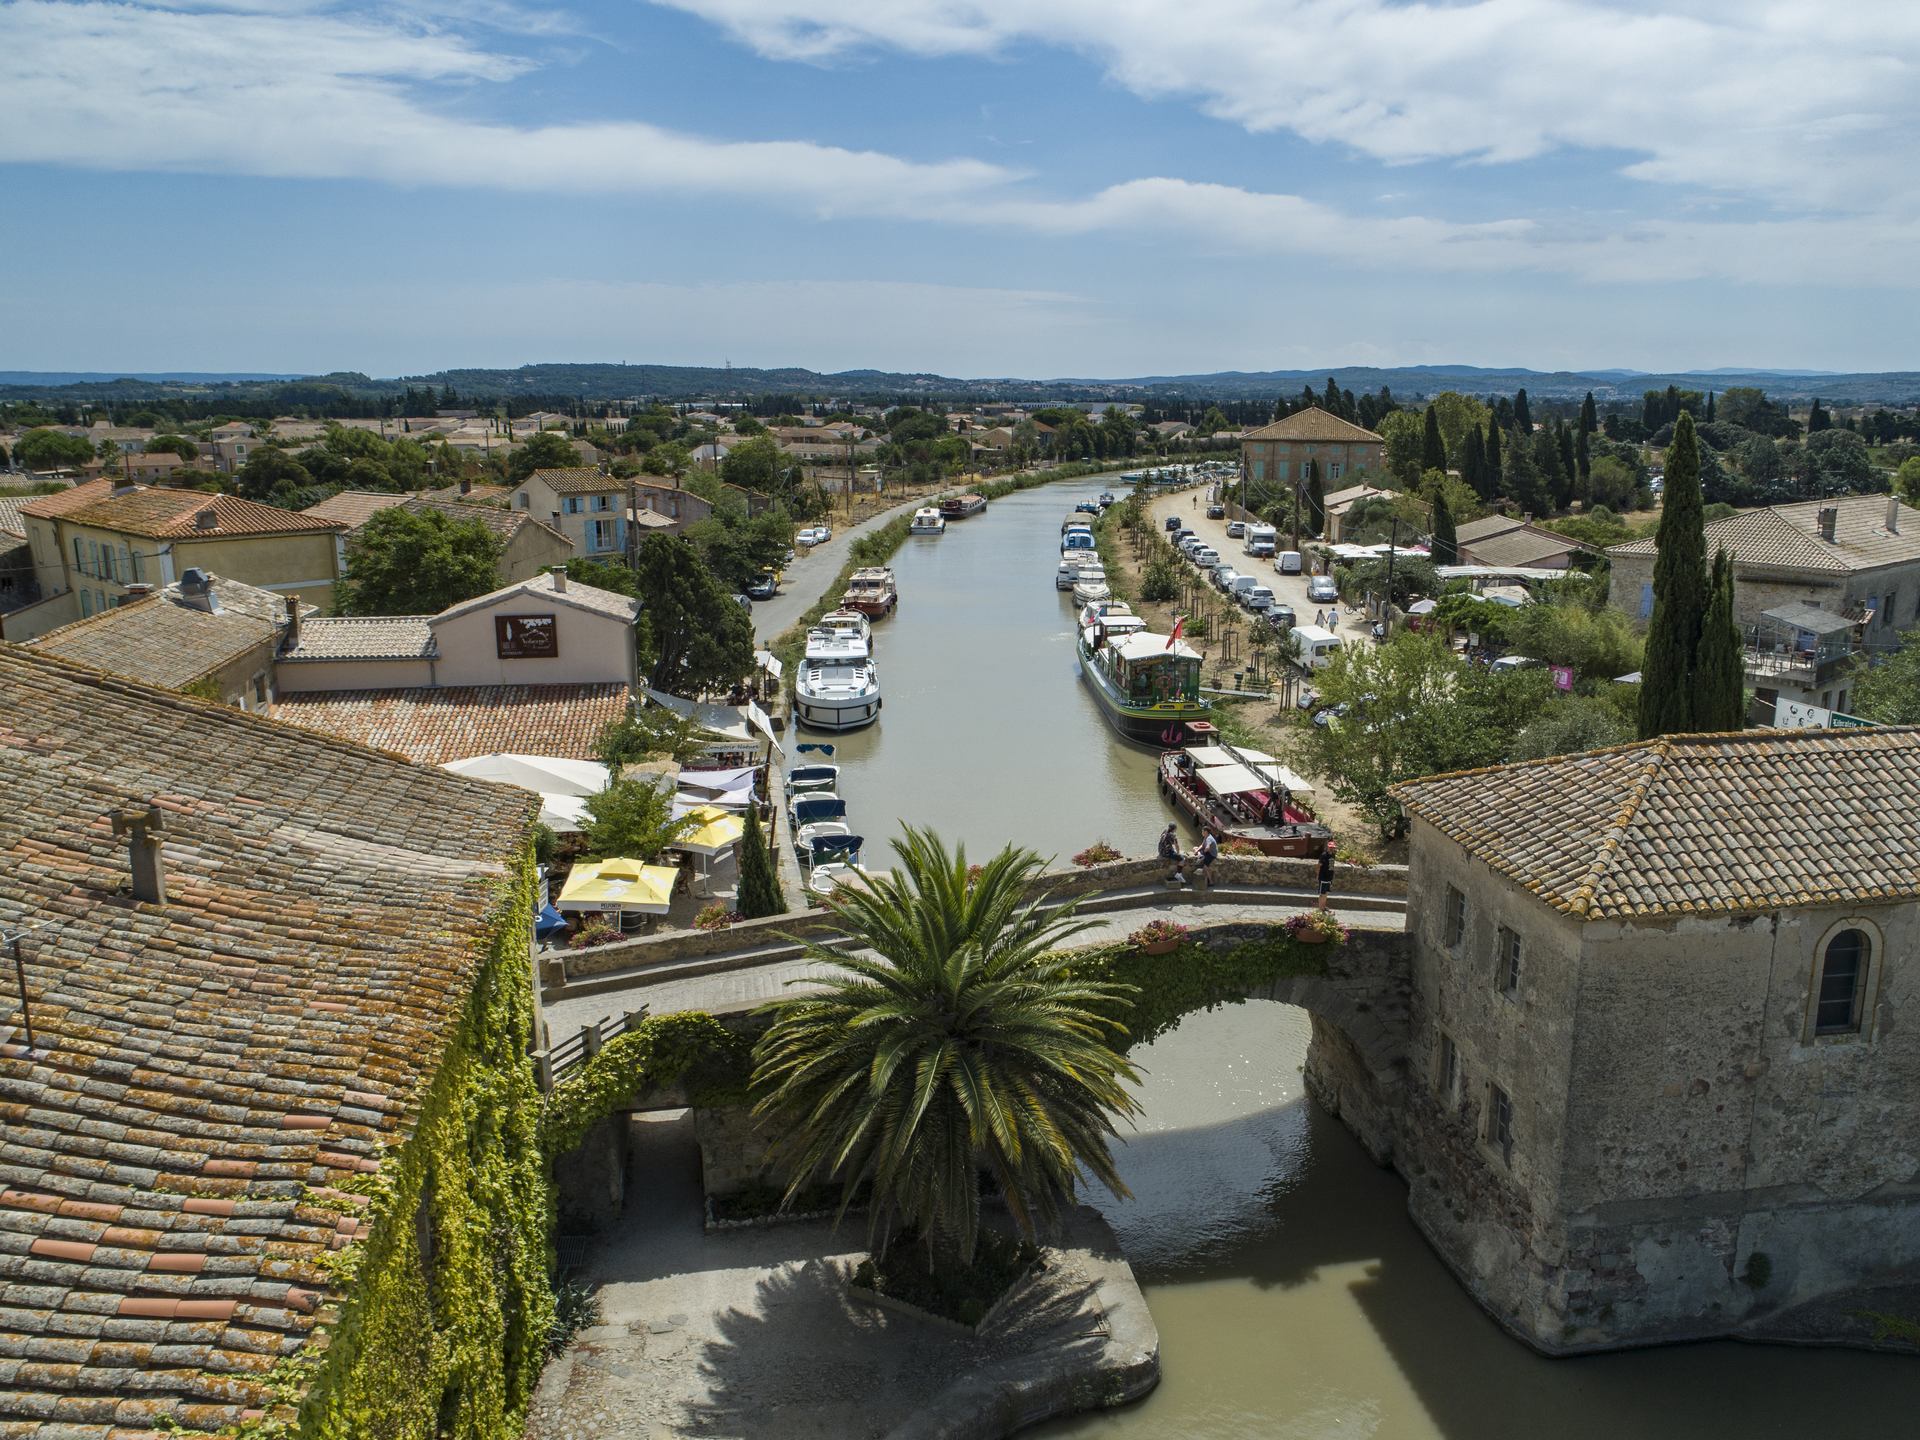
x: 445, y: 1329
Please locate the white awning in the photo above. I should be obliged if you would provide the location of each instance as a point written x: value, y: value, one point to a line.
x: 723, y: 720
x: 769, y: 662
x: 1221, y: 755
x: 1239, y: 780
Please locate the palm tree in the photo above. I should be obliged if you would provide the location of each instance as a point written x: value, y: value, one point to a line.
x: 955, y: 1039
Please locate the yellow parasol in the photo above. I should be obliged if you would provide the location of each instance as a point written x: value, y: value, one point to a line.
x: 619, y: 885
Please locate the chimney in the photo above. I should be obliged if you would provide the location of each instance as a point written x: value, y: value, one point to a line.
x: 559, y: 579
x: 293, y: 623
x: 1893, y: 514
x: 1829, y: 519
x: 142, y: 829
x: 139, y: 590
x: 196, y: 591
x: 206, y: 520
x: 466, y: 485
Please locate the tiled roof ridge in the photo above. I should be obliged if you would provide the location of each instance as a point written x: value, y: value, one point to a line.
x: 1614, y: 834
x: 106, y: 680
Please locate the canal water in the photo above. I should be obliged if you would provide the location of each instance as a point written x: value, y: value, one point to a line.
x: 1293, y: 1295
x: 986, y: 730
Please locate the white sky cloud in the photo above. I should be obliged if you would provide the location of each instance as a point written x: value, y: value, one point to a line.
x: 299, y: 89
x: 1792, y: 101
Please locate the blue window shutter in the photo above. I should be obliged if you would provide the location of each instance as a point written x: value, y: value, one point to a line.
x: 1646, y: 600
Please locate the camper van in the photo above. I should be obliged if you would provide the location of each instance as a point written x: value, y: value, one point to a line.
x: 1318, y: 646
x: 1261, y: 540
x: 1288, y: 562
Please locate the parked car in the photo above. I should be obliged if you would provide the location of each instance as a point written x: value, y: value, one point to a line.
x: 812, y: 535
x: 1236, y: 529
x: 1257, y: 598
x: 1239, y: 585
x: 765, y: 587
x: 1205, y: 556
x: 1321, y: 590
x: 746, y: 603
x: 1223, y: 575
x: 1280, y: 617
x: 1216, y: 512
x: 1173, y: 522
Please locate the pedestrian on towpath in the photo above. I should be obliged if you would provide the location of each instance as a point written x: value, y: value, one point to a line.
x: 1204, y: 855
x: 1170, y: 852
x: 1326, y: 873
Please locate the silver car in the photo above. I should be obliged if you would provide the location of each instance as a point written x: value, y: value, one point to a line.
x: 1321, y: 589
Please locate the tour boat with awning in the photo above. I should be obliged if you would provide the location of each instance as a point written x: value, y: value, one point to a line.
x: 1234, y: 793
x: 1147, y: 685
x: 959, y: 507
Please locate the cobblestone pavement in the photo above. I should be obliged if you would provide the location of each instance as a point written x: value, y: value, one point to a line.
x: 751, y: 1334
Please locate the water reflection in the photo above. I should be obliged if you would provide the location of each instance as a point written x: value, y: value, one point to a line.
x: 1295, y: 1299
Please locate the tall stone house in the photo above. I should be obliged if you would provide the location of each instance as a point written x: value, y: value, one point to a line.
x: 1664, y: 1048
x: 586, y: 505
x: 1815, y: 583
x: 528, y: 545
x: 1274, y: 456
x: 91, y: 543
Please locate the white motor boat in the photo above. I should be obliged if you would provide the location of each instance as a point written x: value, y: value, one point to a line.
x: 1091, y: 586
x: 1104, y: 610
x: 803, y: 778
x: 1073, y: 565
x: 838, y: 687
x: 928, y: 521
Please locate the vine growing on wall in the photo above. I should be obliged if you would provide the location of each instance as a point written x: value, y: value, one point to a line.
x: 661, y: 1050
x: 1195, y: 977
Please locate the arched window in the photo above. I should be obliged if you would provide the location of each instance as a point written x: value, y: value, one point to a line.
x: 1843, y: 976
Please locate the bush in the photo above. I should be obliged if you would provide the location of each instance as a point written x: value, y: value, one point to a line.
x: 1314, y: 925
x: 1157, y: 932
x: 716, y: 917
x: 597, y: 931
x: 1240, y: 847
x: 960, y: 1294
x: 575, y: 1308
x: 1098, y: 853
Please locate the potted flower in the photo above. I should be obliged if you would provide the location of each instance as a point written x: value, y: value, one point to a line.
x: 1245, y: 848
x: 1158, y: 937
x: 596, y: 931
x: 1098, y: 853
x: 715, y: 917
x: 1314, y: 927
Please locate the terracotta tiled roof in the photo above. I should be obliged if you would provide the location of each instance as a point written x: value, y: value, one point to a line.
x: 353, y: 508
x: 477, y: 495
x: 362, y: 637
x: 1485, y: 526
x: 1317, y: 425
x: 1521, y: 547
x: 503, y: 524
x: 207, y: 1072
x: 578, y: 480
x: 164, y: 641
x: 540, y: 587
x: 431, y: 727
x: 1755, y: 820
x: 11, y: 522
x: 173, y: 514
x: 1787, y: 537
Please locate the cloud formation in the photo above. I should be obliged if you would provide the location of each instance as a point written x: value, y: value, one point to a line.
x: 1793, y: 102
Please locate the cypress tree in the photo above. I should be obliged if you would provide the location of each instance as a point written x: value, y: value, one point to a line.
x: 1522, y: 416
x: 1496, y: 482
x: 1446, y: 543
x: 1679, y: 594
x: 1589, y: 421
x: 1568, y: 461
x: 1709, y: 407
x: 1316, y: 499
x: 1583, y: 468
x: 759, y: 892
x: 1719, y: 676
x: 1330, y: 402
x: 1555, y: 482
x: 1473, y: 462
x: 1817, y: 418
x: 1433, y: 450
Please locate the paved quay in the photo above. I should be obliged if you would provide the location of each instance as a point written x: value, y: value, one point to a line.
x: 751, y: 1333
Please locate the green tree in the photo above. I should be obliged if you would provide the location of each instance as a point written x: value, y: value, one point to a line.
x: 966, y: 1043
x: 402, y: 563
x: 1679, y: 594
x: 1589, y: 420
x: 48, y: 449
x: 1570, y: 726
x: 180, y: 445
x: 1214, y: 421
x: 633, y: 819
x: 694, y: 634
x: 548, y: 450
x: 651, y: 732
x: 1405, y: 434
x: 1457, y: 414
x: 1889, y: 692
x: 1446, y: 543
x: 1907, y: 479
x: 759, y: 892
x: 1720, y: 699
x: 753, y: 464
x: 1433, y: 450
x: 1496, y: 481
x: 1522, y: 413
x: 1316, y: 499
x: 1817, y: 418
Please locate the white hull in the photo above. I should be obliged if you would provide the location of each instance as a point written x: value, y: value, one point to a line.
x: 1088, y: 591
x: 844, y: 700
x: 927, y: 522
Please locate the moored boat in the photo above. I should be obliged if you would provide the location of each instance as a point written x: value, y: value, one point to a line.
x: 1238, y: 794
x: 837, y: 687
x: 1072, y: 562
x: 927, y: 521
x: 1147, y: 685
x: 871, y: 592
x: 804, y: 778
x: 959, y: 507
x: 1091, y: 585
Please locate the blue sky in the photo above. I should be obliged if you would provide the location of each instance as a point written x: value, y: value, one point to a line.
x: 977, y: 187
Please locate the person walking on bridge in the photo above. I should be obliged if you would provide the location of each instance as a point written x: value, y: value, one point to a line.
x: 1326, y: 874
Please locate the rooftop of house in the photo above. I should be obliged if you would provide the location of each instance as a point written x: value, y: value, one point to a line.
x: 1695, y: 824
x: 170, y: 638
x: 172, y: 514
x: 431, y: 727
x: 1315, y: 425
x: 1787, y: 537
x: 501, y: 523
x: 353, y: 508
x: 1485, y: 526
x: 1522, y: 547
x: 473, y: 494
x: 10, y: 521
x: 205, y: 1070
x: 1341, y: 500
x: 362, y: 637
x: 542, y: 588
x: 577, y: 480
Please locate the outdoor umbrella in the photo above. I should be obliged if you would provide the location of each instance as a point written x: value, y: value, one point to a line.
x: 619, y: 884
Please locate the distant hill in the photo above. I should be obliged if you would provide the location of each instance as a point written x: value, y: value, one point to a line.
x: 561, y: 383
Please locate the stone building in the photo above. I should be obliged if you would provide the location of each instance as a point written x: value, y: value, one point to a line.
x: 1848, y: 556
x: 1664, y: 1040
x: 1272, y: 456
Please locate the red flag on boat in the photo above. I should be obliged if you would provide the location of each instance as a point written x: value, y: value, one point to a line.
x: 1179, y: 624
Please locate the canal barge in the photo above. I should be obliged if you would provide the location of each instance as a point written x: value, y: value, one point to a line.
x: 871, y: 592
x: 959, y: 507
x: 1147, y: 685
x: 927, y: 521
x: 838, y: 687
x: 1236, y: 794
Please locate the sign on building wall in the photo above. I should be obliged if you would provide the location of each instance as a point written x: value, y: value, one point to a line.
x: 526, y: 637
x: 1794, y: 715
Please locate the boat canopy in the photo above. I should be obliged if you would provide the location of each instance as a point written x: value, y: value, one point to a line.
x: 1221, y: 755
x: 1148, y: 646
x: 1239, y: 780
x: 809, y: 808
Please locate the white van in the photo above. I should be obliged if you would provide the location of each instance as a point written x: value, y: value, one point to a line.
x: 1238, y: 587
x: 1317, y: 646
x: 1261, y: 540
x: 1288, y: 562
